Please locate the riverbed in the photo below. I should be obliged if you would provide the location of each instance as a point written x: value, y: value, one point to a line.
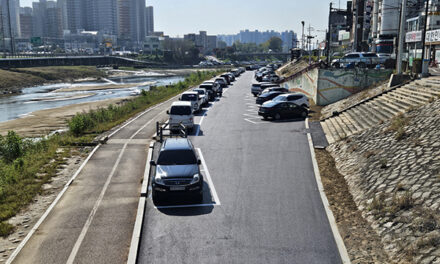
x: 52, y: 96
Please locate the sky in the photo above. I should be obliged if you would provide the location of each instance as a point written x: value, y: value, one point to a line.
x: 179, y: 17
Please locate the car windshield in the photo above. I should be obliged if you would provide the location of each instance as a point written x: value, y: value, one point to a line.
x: 200, y: 91
x: 189, y: 97
x: 206, y: 86
x: 177, y: 157
x: 370, y: 55
x: 180, y: 110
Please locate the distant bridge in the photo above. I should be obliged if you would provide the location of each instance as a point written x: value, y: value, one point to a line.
x: 74, y: 61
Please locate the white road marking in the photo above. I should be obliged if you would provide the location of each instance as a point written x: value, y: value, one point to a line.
x: 91, y: 216
x: 52, y: 205
x: 208, y: 177
x: 334, y: 227
x: 200, y: 123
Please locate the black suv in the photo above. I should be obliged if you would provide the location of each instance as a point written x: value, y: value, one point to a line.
x: 278, y: 110
x: 177, y: 170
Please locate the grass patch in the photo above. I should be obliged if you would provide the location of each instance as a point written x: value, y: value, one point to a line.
x: 398, y: 124
x: 62, y: 72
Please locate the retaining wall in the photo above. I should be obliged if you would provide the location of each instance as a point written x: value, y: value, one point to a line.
x: 326, y: 86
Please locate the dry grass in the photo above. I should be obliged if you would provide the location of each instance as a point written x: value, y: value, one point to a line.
x: 355, y: 230
x: 315, y: 111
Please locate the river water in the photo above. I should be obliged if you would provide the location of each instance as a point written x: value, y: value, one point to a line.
x: 44, y: 96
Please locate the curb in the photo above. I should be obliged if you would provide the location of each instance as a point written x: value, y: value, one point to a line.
x: 137, y: 230
x: 331, y: 219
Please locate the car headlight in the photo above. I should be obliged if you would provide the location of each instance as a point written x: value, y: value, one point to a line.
x: 158, y: 180
x: 196, y: 178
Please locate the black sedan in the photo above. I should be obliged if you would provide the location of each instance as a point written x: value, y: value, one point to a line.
x: 278, y: 110
x: 267, y: 96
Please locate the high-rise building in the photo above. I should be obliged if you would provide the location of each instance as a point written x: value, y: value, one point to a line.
x: 76, y: 14
x: 53, y: 23
x: 149, y: 20
x: 38, y: 14
x: 103, y: 16
x: 13, y: 15
x: 26, y: 22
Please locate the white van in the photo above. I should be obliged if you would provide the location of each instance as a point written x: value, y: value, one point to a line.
x: 193, y: 98
x: 181, y: 112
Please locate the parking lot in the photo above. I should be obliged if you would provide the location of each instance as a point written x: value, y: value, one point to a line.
x: 261, y: 203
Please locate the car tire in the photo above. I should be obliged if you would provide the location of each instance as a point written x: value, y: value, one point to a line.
x: 277, y: 116
x: 304, y: 114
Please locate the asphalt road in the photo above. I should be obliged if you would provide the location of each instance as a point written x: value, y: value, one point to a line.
x: 261, y: 205
x: 93, y: 221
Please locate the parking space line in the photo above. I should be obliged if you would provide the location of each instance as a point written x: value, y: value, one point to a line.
x: 208, y: 177
x: 200, y: 123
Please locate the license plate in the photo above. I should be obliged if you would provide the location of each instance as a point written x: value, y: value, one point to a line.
x: 177, y: 188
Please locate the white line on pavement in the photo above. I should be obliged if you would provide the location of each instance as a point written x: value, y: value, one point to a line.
x: 200, y: 123
x: 86, y: 226
x: 52, y: 205
x: 208, y: 177
x: 334, y: 227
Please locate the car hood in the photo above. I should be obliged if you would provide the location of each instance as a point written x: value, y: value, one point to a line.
x: 270, y: 104
x: 173, y: 171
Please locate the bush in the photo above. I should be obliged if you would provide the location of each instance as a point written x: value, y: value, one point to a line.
x: 11, y: 147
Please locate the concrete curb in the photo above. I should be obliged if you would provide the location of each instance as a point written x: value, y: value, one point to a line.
x: 137, y: 230
x: 331, y: 219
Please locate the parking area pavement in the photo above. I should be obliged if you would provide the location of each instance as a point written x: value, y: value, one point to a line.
x: 261, y: 202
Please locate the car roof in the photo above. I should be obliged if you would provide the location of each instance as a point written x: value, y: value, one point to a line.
x: 181, y: 103
x: 189, y: 92
x: 176, y: 144
x: 289, y: 94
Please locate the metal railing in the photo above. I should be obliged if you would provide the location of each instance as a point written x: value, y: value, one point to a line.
x: 180, y: 131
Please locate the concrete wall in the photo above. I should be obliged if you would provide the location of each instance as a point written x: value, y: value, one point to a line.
x: 306, y: 83
x: 337, y: 84
x: 326, y: 86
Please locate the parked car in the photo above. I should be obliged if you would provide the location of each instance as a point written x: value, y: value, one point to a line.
x: 212, y: 88
x: 278, y: 110
x: 223, y: 83
x: 270, y: 78
x: 275, y: 89
x: 203, y: 96
x: 267, y: 97
x: 177, y: 170
x: 227, y: 78
x: 256, y: 88
x: 359, y: 59
x: 236, y: 72
x: 193, y: 98
x: 231, y: 76
x: 181, y: 113
x: 297, y: 98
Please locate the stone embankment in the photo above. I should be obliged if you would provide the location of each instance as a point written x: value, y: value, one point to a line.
x: 393, y: 173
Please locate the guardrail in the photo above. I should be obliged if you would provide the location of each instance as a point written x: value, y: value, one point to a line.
x: 181, y: 131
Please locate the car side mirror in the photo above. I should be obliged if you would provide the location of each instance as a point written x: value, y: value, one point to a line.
x: 168, y: 112
x: 199, y: 162
x: 152, y: 163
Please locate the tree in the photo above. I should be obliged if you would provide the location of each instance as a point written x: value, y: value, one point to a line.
x: 180, y: 51
x: 274, y: 44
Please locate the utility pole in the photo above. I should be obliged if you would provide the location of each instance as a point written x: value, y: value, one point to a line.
x: 375, y: 19
x: 355, y: 39
x: 302, y: 36
x: 424, y: 35
x: 329, y: 34
x: 401, y: 37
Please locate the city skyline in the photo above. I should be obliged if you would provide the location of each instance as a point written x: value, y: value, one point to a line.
x: 178, y: 18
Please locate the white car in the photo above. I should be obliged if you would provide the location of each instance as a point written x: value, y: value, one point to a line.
x: 203, y: 96
x: 297, y: 98
x: 360, y: 59
x: 193, y: 98
x: 181, y: 113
